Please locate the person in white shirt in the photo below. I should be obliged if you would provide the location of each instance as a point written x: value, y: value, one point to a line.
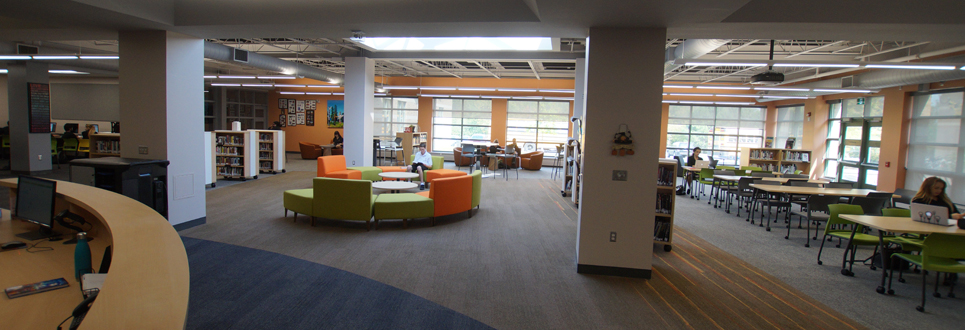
x: 422, y: 162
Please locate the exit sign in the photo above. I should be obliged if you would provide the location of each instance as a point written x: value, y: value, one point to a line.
x: 861, y: 101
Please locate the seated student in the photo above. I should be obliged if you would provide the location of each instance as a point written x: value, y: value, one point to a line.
x: 68, y: 132
x: 932, y: 192
x: 422, y: 162
x: 691, y: 161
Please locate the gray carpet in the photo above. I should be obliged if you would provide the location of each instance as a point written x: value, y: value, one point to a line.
x: 791, y: 262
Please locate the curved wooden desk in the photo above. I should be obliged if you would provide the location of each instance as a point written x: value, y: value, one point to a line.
x: 146, y: 287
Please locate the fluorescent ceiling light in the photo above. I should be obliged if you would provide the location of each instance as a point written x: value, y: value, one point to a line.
x: 257, y: 85
x: 786, y: 89
x: 399, y: 87
x: 529, y: 90
x: 67, y: 72
x: 690, y: 94
x: 494, y: 97
x: 466, y: 96
x: 55, y: 57
x: 666, y: 101
x: 723, y: 64
x: 14, y: 57
x: 735, y: 103
x: 664, y: 94
x: 737, y: 95
x: 290, y: 93
x: 556, y: 91
x: 433, y: 95
x: 784, y: 97
x: 276, y: 77
x: 678, y: 86
x: 477, y: 89
x: 559, y: 98
x: 236, y: 77
x: 815, y: 65
x: 912, y: 67
x: 99, y: 57
x: 527, y: 97
x: 724, y: 87
x: 210, y: 77
x: 286, y: 85
x: 376, y: 94
x: 459, y: 44
x: 843, y: 90
x: 223, y: 84
x: 338, y: 93
x: 321, y: 86
x: 434, y: 88
x: 320, y: 93
x: 4, y: 71
x: 697, y: 102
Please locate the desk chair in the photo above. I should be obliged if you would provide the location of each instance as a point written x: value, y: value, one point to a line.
x: 777, y: 201
x: 83, y: 145
x: 836, y: 227
x: 469, y: 150
x: 762, y: 174
x: 54, y: 152
x: 70, y: 145
x: 816, y: 212
x: 940, y: 254
x: 508, y: 156
x: 5, y: 144
x: 557, y: 163
x: 744, y: 194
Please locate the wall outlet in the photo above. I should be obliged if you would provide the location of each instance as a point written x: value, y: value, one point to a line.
x: 613, y: 236
x: 353, y: 162
x: 40, y: 157
x: 619, y: 175
x: 142, y: 150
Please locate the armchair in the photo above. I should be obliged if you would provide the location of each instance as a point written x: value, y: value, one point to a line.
x: 458, y: 159
x: 451, y: 195
x: 532, y: 161
x: 334, y: 167
x: 310, y: 150
x: 333, y: 199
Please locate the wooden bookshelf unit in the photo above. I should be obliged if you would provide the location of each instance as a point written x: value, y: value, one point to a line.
x: 235, y: 154
x: 777, y: 160
x: 105, y: 145
x: 665, y: 203
x: 271, y: 153
x: 410, y: 144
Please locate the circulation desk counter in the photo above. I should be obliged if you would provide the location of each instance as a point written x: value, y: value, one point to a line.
x: 146, y: 287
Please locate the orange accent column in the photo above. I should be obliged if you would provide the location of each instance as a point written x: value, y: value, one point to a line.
x: 425, y: 119
x: 664, y: 122
x: 498, y: 131
x: 815, y: 133
x: 895, y: 123
x: 770, y: 124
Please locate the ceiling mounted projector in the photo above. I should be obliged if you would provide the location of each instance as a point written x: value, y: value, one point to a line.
x: 767, y: 78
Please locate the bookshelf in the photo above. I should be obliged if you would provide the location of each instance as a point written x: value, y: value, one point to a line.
x: 105, y: 145
x: 271, y: 151
x: 777, y: 160
x: 666, y: 200
x: 410, y: 144
x: 571, y: 170
x: 211, y: 174
x: 235, y: 155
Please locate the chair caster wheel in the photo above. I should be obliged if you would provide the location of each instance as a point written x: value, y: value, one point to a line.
x: 951, y: 295
x: 785, y: 237
x: 820, y: 262
x: 807, y: 245
x: 920, y: 309
x: 891, y: 292
x: 880, y: 290
x: 213, y: 184
x: 768, y: 229
x: 936, y: 295
x: 846, y: 272
x: 874, y: 268
x: 667, y: 248
x: 901, y: 280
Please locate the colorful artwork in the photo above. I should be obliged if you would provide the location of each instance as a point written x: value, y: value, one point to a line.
x: 300, y: 118
x: 336, y: 113
x: 300, y: 106
x: 283, y: 103
x: 292, y: 120
x: 291, y: 104
x: 310, y: 104
x: 282, y: 119
x: 310, y: 117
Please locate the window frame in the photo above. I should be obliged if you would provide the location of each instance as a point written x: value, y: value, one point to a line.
x: 540, y: 144
x: 951, y: 177
x: 711, y: 148
x: 462, y: 125
x: 392, y: 115
x: 779, y: 140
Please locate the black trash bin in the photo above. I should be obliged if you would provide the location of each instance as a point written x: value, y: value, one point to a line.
x: 144, y: 180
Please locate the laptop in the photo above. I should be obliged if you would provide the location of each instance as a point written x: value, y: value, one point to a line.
x: 702, y: 164
x: 936, y: 215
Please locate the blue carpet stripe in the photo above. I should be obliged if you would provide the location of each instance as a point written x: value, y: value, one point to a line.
x: 234, y: 287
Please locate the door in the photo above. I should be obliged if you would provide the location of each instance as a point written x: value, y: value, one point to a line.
x: 859, y: 152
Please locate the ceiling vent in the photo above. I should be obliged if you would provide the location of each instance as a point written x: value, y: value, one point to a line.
x: 847, y: 82
x: 27, y: 50
x: 240, y: 55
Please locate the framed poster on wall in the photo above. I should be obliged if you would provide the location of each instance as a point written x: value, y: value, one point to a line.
x: 291, y: 104
x: 282, y: 119
x: 310, y: 117
x: 336, y: 113
x: 282, y: 103
x: 300, y: 106
x: 38, y: 104
x: 300, y: 118
x: 310, y: 104
x: 291, y: 120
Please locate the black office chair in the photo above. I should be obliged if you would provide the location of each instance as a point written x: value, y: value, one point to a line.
x: 469, y: 150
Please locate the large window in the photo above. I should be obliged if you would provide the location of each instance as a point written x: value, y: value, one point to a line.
x: 854, y: 141
x: 248, y: 107
x: 393, y: 114
x: 935, y: 145
x: 720, y: 132
x: 790, y: 124
x: 544, y: 123
x: 460, y: 120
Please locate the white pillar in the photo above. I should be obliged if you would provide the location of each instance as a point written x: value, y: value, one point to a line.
x: 579, y: 96
x: 162, y: 99
x: 359, y: 105
x: 29, y: 152
x: 623, y: 86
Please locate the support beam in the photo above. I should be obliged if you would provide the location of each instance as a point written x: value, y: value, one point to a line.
x: 849, y: 48
x: 817, y: 48
x: 484, y: 68
x: 729, y: 74
x: 405, y: 67
x: 738, y: 48
x: 533, y: 67
x: 440, y: 69
x: 889, y: 50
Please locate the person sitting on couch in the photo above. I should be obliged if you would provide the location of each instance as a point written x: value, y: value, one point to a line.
x: 422, y: 162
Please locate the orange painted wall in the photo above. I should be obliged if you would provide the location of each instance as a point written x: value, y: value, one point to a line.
x: 664, y: 122
x: 425, y: 119
x: 498, y: 132
x: 318, y: 134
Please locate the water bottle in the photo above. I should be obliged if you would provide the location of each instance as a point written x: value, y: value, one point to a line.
x: 82, y: 262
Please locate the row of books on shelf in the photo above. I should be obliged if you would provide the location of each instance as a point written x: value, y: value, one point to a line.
x: 236, y: 151
x: 664, y: 203
x: 661, y: 230
x: 267, y: 166
x: 233, y: 161
x: 265, y: 137
x: 761, y: 154
x: 231, y: 171
x: 108, y: 147
x: 230, y: 139
x: 266, y: 146
x: 797, y: 156
x: 790, y: 168
x: 666, y: 177
x: 766, y: 167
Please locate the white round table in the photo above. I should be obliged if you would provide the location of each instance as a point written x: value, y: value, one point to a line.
x: 393, y: 186
x: 399, y: 175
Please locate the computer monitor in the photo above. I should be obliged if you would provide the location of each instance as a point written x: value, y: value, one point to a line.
x: 116, y: 126
x: 53, y: 127
x: 74, y: 126
x: 96, y: 129
x: 35, y: 204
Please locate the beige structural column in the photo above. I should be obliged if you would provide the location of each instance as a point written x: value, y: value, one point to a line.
x: 29, y: 152
x: 162, y: 97
x: 359, y: 106
x: 623, y: 86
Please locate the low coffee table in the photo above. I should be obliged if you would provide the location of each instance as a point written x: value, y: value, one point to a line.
x: 394, y: 186
x: 399, y: 175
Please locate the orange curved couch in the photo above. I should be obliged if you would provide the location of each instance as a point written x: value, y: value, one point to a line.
x: 450, y: 195
x: 334, y: 167
x: 432, y: 175
x: 532, y: 160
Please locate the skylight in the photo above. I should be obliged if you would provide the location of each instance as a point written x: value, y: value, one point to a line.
x: 458, y: 44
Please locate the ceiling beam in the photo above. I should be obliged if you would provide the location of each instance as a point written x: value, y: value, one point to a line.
x: 404, y: 67
x: 533, y: 67
x: 817, y: 48
x: 474, y: 55
x: 440, y: 69
x: 850, y: 48
x: 316, y: 46
x: 889, y: 50
x: 484, y: 68
x: 738, y: 47
x: 729, y: 74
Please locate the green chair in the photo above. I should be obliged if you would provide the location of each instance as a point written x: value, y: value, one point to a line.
x: 940, y: 253
x: 908, y: 242
x: 370, y: 173
x: 54, y: 152
x: 71, y: 145
x: 437, y: 164
x: 835, y: 227
x: 798, y: 171
x: 329, y: 198
x: 476, y: 190
x: 752, y: 168
x: 402, y: 206
x: 706, y: 176
x: 721, y: 167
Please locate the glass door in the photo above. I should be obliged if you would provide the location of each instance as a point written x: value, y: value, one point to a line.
x: 859, y: 152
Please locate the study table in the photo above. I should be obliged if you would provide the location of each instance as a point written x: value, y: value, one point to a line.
x: 148, y: 281
x: 897, y: 225
x: 807, y: 191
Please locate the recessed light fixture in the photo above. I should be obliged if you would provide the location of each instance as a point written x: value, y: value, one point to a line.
x: 14, y: 57
x: 678, y: 86
x: 54, y: 57
x: 236, y: 77
x: 743, y: 88
x: 477, y: 89
x: 224, y: 84
x: 784, y: 89
x: 99, y: 57
x: 290, y: 93
x: 843, y: 90
x: 912, y: 67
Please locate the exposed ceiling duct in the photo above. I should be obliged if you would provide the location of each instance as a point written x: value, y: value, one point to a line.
x: 880, y: 79
x: 100, y: 66
x: 690, y: 49
x: 224, y: 53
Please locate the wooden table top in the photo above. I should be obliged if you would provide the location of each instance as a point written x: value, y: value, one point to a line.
x: 785, y: 180
x: 844, y: 192
x: 148, y: 282
x: 903, y: 225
